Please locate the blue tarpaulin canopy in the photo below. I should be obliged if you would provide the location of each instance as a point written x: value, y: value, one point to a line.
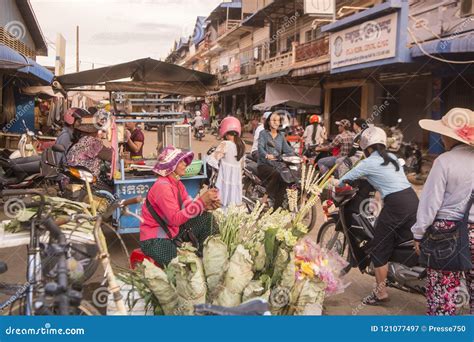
x: 13, y: 60
x: 38, y: 71
x: 442, y: 46
x: 10, y: 59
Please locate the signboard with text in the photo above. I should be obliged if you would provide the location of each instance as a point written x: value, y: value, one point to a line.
x: 370, y: 41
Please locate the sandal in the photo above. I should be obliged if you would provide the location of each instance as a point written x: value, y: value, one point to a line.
x: 373, y: 300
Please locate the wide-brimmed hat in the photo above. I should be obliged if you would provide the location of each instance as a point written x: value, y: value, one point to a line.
x: 87, y: 124
x: 169, y: 159
x: 458, y: 124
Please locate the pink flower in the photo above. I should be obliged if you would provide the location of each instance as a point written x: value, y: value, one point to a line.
x: 466, y: 133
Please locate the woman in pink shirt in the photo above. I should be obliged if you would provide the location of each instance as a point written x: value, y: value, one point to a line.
x: 170, y: 215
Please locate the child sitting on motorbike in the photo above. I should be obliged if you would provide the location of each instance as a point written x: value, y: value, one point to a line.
x: 271, y: 146
x: 383, y: 172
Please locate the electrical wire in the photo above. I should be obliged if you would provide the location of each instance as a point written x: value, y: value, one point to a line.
x: 434, y: 57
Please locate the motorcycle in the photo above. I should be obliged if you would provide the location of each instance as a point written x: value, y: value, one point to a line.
x: 254, y: 189
x: 29, y: 144
x: 199, y: 133
x: 410, y: 152
x: 350, y: 229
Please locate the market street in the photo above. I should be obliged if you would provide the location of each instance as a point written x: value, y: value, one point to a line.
x: 347, y: 303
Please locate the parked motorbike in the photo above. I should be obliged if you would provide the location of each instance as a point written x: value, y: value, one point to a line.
x: 350, y: 229
x: 30, y: 144
x: 410, y: 152
x: 199, y: 133
x: 254, y: 189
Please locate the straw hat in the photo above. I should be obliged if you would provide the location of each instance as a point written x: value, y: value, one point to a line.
x: 458, y: 124
x: 169, y: 159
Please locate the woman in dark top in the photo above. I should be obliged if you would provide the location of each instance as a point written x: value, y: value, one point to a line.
x: 271, y: 146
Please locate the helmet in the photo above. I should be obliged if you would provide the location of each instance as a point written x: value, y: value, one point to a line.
x: 230, y: 124
x: 74, y: 113
x: 344, y: 123
x: 372, y: 136
x: 266, y: 115
x: 313, y: 119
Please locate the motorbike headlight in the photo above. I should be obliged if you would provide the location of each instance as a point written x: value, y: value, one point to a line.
x: 84, y: 175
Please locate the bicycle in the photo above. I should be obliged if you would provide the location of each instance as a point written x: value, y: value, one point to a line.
x: 40, y: 296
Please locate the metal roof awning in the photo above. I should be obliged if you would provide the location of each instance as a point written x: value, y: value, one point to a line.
x: 277, y: 8
x: 287, y: 103
x: 41, y: 90
x: 175, y: 88
x: 441, y: 46
x: 146, y: 70
x: 279, y: 94
x: 275, y: 75
x: 222, y: 8
x: 10, y: 59
x: 237, y: 85
x: 38, y: 71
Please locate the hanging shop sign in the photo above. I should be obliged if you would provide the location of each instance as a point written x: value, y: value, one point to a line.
x: 320, y: 7
x: 369, y: 41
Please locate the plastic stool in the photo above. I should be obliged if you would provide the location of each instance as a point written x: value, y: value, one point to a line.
x: 137, y: 257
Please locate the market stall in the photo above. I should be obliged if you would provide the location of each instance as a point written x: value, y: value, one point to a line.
x: 152, y: 87
x: 133, y: 180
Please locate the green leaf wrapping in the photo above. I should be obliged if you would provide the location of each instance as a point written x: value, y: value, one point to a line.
x: 160, y: 286
x: 306, y: 293
x: 280, y: 264
x: 288, y: 276
x: 256, y: 289
x: 259, y: 257
x: 216, y: 262
x: 237, y: 278
x: 190, y: 280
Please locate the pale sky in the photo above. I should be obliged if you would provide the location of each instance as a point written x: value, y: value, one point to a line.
x: 115, y: 31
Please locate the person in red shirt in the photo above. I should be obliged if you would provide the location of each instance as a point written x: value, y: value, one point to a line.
x: 134, y: 140
x: 170, y: 215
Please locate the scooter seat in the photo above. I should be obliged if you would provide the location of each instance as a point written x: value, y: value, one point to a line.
x: 5, y: 181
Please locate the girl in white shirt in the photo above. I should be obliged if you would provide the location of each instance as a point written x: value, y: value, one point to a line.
x: 230, y: 155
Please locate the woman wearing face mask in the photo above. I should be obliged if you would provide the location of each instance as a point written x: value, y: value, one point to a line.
x: 271, y: 146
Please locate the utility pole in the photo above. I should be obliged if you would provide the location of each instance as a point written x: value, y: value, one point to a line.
x: 77, y: 48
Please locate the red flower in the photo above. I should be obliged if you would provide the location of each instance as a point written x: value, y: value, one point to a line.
x: 467, y: 133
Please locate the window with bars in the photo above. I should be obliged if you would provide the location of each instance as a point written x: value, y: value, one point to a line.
x: 7, y: 39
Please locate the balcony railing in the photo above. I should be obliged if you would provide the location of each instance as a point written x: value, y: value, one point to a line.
x: 227, y: 26
x: 275, y: 64
x: 312, y: 50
